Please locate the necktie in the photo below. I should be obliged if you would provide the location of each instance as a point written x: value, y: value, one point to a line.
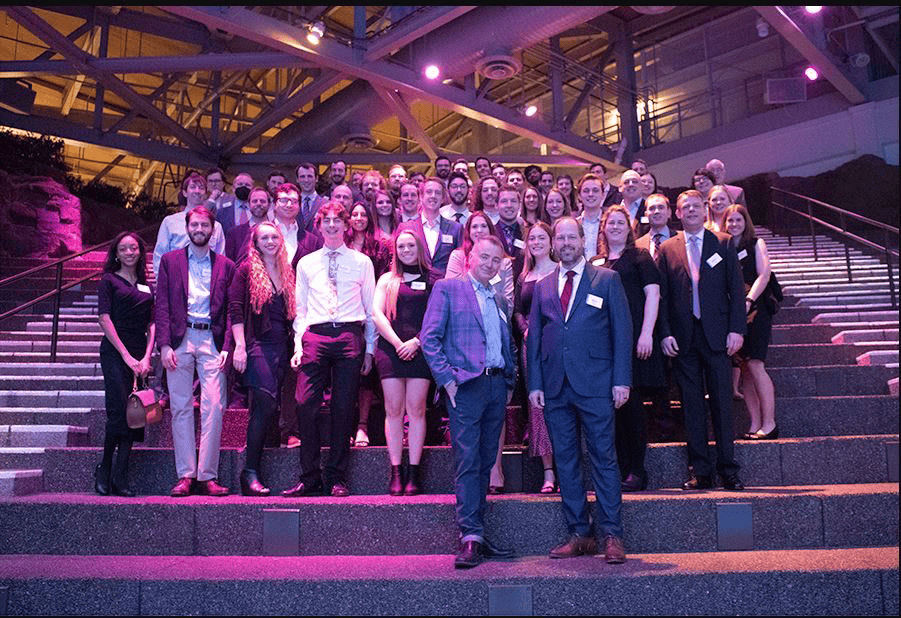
x: 333, y: 283
x: 655, y: 249
x: 695, y: 259
x: 507, y: 230
x: 306, y: 209
x: 242, y: 214
x: 567, y: 291
x: 458, y: 216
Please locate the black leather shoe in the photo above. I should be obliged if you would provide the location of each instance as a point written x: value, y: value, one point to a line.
x: 698, y: 481
x: 396, y: 484
x: 492, y: 552
x: 303, y: 489
x: 101, y: 481
x: 211, y: 488
x: 340, y: 490
x: 125, y: 492
x: 251, y: 485
x: 634, y: 482
x: 773, y: 435
x: 733, y: 483
x: 182, y: 488
x: 470, y: 555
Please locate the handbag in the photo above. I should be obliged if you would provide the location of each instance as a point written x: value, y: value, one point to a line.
x: 142, y: 408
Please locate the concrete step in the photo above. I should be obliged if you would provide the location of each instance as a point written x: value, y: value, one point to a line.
x: 831, y: 415
x: 841, y: 582
x: 82, y: 348
x: 809, y: 288
x: 51, y: 383
x: 893, y: 386
x: 45, y: 416
x: 834, y: 381
x: 35, y: 336
x: 787, y: 461
x: 49, y: 399
x: 20, y: 482
x: 15, y: 436
x: 821, y: 516
x: 51, y: 369
x: 818, y: 354
x: 867, y: 334
x: 64, y: 326
x: 63, y: 357
x: 823, y: 332
x: 881, y: 316
x: 879, y: 357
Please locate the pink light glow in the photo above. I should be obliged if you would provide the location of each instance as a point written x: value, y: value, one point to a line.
x: 811, y: 73
x: 432, y: 71
x: 813, y: 10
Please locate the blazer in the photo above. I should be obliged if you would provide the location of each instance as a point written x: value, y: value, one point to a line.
x: 450, y: 237
x: 453, y: 334
x: 309, y: 223
x: 236, y: 242
x: 171, y: 310
x: 645, y: 242
x: 721, y: 291
x: 592, y: 349
x: 225, y: 215
x: 737, y: 194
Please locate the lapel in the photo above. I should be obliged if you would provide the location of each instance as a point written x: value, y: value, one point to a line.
x: 186, y: 273
x: 552, y: 284
x: 582, y: 291
x: 471, y: 299
x: 682, y: 252
x: 708, y: 248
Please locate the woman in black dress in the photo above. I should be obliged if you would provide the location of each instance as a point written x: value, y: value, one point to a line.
x: 261, y: 308
x: 756, y: 385
x: 401, y: 296
x: 641, y: 281
x: 125, y: 308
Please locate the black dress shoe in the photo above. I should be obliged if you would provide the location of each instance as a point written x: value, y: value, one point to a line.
x: 698, y: 481
x: 101, y: 481
x: 303, y: 489
x: 634, y: 482
x: 492, y: 552
x: 470, y: 555
x: 772, y: 435
x: 733, y: 483
x: 251, y: 485
x: 125, y: 491
x: 340, y: 490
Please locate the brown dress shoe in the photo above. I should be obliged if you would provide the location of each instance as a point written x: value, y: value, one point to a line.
x: 469, y: 556
x: 211, y: 488
x: 576, y: 546
x: 340, y: 490
x: 182, y: 488
x: 614, y: 552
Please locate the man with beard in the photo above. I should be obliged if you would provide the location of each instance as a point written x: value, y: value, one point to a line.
x: 442, y: 168
x: 238, y: 212
x: 310, y: 201
x: 532, y: 175
x: 397, y: 176
x: 274, y: 179
x: 236, y: 239
x: 173, y: 233
x: 458, y: 192
x: 190, y: 315
x: 516, y: 180
x: 373, y: 180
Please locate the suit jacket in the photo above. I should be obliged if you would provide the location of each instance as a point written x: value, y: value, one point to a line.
x: 721, y: 291
x: 225, y: 215
x: 737, y: 194
x: 171, y: 309
x: 645, y: 242
x: 592, y: 349
x: 236, y: 242
x: 450, y: 237
x: 309, y: 223
x: 453, y: 334
x: 613, y: 197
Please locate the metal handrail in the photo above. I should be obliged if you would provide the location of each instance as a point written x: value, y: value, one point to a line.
x: 57, y: 292
x: 842, y: 231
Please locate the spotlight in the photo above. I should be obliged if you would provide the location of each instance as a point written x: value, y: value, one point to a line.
x: 811, y: 73
x: 317, y: 31
x: 813, y: 10
x: 432, y: 71
x: 763, y: 28
x: 530, y: 110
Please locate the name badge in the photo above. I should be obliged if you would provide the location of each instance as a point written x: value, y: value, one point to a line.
x: 447, y: 239
x: 143, y: 288
x: 714, y: 259
x: 599, y: 262
x: 518, y: 243
x: 645, y: 220
x: 595, y: 301
x: 742, y: 254
x: 418, y: 285
x: 495, y: 280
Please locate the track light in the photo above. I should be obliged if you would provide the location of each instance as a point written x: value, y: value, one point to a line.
x: 530, y: 110
x: 811, y: 73
x: 317, y: 31
x: 813, y: 10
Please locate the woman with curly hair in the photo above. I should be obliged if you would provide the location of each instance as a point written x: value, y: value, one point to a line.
x: 261, y: 307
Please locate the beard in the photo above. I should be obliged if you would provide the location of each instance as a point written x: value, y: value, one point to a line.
x: 200, y: 239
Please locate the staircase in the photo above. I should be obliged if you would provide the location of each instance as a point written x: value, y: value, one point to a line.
x: 815, y: 533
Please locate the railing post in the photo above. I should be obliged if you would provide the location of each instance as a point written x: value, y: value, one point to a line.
x: 813, y: 236
x: 847, y: 249
x: 57, y: 301
x: 891, y: 274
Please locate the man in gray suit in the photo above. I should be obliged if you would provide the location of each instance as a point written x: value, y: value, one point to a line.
x: 466, y: 342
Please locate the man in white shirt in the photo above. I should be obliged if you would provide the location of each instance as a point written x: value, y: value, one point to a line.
x: 408, y: 204
x: 334, y: 342
x: 591, y: 191
x: 439, y: 235
x: 658, y: 211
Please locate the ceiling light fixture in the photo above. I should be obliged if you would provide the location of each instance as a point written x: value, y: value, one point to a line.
x: 813, y: 10
x: 811, y: 73
x: 317, y: 31
x: 530, y: 110
x: 432, y: 71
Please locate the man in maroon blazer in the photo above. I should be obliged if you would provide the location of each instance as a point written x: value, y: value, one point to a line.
x: 190, y: 314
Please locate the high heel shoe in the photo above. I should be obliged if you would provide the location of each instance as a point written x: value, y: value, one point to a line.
x: 251, y: 485
x: 396, y: 484
x: 772, y: 435
x: 412, y: 487
x: 125, y: 491
x: 101, y: 480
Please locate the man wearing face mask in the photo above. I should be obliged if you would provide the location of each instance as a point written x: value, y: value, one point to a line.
x: 238, y: 212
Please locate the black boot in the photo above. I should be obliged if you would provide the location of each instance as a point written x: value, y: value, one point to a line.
x: 101, y: 480
x: 119, y: 482
x: 412, y: 487
x: 251, y: 485
x: 396, y: 485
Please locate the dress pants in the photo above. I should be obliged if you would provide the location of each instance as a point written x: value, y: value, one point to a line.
x: 567, y: 415
x: 475, y: 427
x: 336, y: 354
x: 197, y: 349
x: 692, y: 367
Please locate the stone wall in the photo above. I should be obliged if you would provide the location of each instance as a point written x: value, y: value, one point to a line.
x: 38, y: 217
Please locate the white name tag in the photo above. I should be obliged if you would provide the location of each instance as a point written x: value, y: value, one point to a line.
x: 595, y: 301
x: 418, y: 285
x: 645, y: 220
x: 518, y: 243
x: 714, y: 259
x: 599, y: 262
x: 742, y: 254
x: 495, y: 280
x: 143, y: 288
x: 447, y: 239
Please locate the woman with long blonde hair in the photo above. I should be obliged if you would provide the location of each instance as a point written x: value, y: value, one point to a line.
x: 401, y: 296
x: 261, y: 307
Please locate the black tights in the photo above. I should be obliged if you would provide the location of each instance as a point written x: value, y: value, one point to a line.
x: 263, y: 409
x: 118, y: 475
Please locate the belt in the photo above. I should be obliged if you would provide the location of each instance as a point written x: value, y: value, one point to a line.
x: 327, y: 327
x: 200, y: 326
x: 493, y: 371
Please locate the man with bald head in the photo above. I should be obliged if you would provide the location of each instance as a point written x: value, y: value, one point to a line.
x: 630, y: 188
x: 718, y: 169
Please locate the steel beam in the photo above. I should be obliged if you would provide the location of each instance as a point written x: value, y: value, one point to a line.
x: 785, y: 26
x: 401, y: 109
x: 387, y: 158
x: 331, y: 54
x: 411, y: 29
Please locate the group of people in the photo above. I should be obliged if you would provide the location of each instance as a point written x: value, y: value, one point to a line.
x: 584, y: 292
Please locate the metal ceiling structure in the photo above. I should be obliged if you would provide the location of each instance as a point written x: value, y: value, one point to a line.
x: 136, y: 90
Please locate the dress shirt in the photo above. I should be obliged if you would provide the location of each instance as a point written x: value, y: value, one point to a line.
x: 307, y: 203
x: 405, y: 218
x: 290, y: 233
x: 449, y: 212
x: 200, y: 273
x: 664, y: 236
x: 432, y: 233
x: 173, y: 234
x: 633, y: 209
x: 356, y: 287
x: 491, y: 319
x: 591, y: 227
x: 494, y: 216
x: 695, y: 292
x: 579, y: 268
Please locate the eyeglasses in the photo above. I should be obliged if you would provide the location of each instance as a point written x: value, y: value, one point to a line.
x: 282, y: 201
